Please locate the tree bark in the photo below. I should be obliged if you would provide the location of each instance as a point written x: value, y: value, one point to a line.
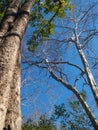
x: 8, y: 53
x: 9, y: 17
x: 9, y: 47
x: 90, y: 77
x: 13, y: 115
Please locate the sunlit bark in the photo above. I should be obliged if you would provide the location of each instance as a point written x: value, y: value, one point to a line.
x: 13, y: 115
x: 10, y: 45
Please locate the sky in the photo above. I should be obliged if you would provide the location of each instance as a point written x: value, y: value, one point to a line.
x: 41, y: 91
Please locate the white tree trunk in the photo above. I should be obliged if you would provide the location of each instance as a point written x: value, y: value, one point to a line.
x: 90, y: 77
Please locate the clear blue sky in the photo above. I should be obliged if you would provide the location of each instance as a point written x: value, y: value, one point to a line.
x: 46, y: 91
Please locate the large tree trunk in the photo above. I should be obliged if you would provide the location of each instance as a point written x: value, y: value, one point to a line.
x: 8, y: 53
x: 13, y: 115
x: 10, y: 44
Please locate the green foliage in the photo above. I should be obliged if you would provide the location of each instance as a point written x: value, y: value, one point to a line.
x: 57, y: 7
x: 83, y: 94
x: 43, y: 124
x: 58, y: 111
x: 42, y: 19
x: 73, y: 118
x: 3, y: 6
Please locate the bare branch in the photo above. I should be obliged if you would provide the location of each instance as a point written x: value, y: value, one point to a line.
x: 73, y: 89
x: 66, y: 62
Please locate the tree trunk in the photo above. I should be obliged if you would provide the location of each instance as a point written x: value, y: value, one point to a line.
x: 87, y: 109
x: 10, y: 44
x: 9, y: 17
x: 90, y: 77
x: 13, y: 115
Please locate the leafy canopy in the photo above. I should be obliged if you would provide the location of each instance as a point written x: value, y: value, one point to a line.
x: 42, y: 18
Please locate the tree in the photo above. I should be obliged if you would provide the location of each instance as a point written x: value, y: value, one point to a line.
x: 9, y: 54
x: 74, y: 118
x: 64, y: 117
x: 13, y: 24
x: 43, y: 124
x: 79, y: 32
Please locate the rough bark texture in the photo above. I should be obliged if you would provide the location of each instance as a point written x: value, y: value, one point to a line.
x: 13, y: 116
x: 7, y: 64
x: 9, y: 17
x: 10, y: 43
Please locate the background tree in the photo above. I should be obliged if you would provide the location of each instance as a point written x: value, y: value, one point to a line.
x: 43, y: 124
x: 64, y: 117
x: 76, y: 37
x: 72, y: 118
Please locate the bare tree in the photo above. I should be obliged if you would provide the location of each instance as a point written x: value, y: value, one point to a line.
x: 76, y: 34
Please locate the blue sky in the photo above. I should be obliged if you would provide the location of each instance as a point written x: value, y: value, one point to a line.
x: 46, y: 91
